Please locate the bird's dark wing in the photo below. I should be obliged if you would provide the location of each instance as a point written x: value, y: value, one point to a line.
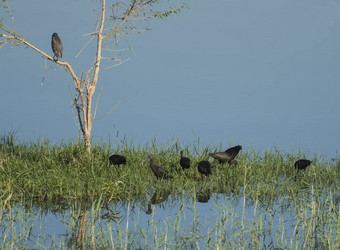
x: 163, y: 173
x: 117, y: 159
x: 185, y: 162
x: 233, y: 151
x: 222, y: 157
x: 204, y: 167
x: 302, y: 164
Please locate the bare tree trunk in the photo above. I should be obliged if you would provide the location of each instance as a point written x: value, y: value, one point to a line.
x: 88, y: 124
x: 87, y: 139
x: 91, y: 88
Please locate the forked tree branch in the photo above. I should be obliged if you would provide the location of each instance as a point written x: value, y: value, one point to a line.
x: 66, y: 64
x: 132, y: 10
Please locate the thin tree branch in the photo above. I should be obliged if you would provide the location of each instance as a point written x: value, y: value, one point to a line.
x: 77, y: 83
x: 66, y: 64
x: 75, y: 101
x: 99, y: 47
x: 95, y: 109
x: 108, y: 112
x: 129, y: 13
x: 112, y: 66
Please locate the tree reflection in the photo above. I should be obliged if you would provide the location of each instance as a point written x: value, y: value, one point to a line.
x: 98, y: 209
x: 78, y: 216
x: 78, y: 235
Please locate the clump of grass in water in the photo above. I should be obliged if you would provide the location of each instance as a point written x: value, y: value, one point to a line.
x: 64, y: 171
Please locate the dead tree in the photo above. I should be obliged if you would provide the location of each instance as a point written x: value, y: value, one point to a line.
x: 129, y: 15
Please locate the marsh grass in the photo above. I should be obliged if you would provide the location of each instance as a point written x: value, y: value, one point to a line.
x: 66, y: 172
x: 289, y: 209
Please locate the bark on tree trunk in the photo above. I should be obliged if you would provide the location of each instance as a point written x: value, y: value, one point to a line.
x: 88, y: 123
x: 87, y: 139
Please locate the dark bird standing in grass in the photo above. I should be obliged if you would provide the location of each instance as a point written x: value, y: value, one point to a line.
x: 159, y: 171
x: 227, y: 156
x: 117, y: 159
x: 57, y: 46
x: 184, y: 161
x: 302, y: 164
x: 204, y: 168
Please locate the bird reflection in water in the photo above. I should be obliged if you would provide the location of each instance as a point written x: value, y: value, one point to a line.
x: 203, y: 196
x: 157, y: 198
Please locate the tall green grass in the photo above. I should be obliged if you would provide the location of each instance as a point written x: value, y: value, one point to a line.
x: 265, y: 200
x: 65, y: 172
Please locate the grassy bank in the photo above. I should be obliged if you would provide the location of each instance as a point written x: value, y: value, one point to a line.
x: 45, y: 171
x: 263, y: 200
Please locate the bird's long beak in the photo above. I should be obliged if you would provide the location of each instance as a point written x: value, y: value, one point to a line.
x: 147, y: 158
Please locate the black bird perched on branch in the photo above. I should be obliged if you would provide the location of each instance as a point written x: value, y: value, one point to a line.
x: 204, y: 168
x: 302, y: 164
x: 227, y: 156
x: 184, y: 161
x: 159, y: 171
x: 117, y: 159
x: 57, y: 46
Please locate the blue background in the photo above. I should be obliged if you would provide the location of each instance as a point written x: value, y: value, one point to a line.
x: 262, y: 74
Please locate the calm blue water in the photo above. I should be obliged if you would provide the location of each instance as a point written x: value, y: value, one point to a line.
x: 220, y: 221
x: 261, y: 74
